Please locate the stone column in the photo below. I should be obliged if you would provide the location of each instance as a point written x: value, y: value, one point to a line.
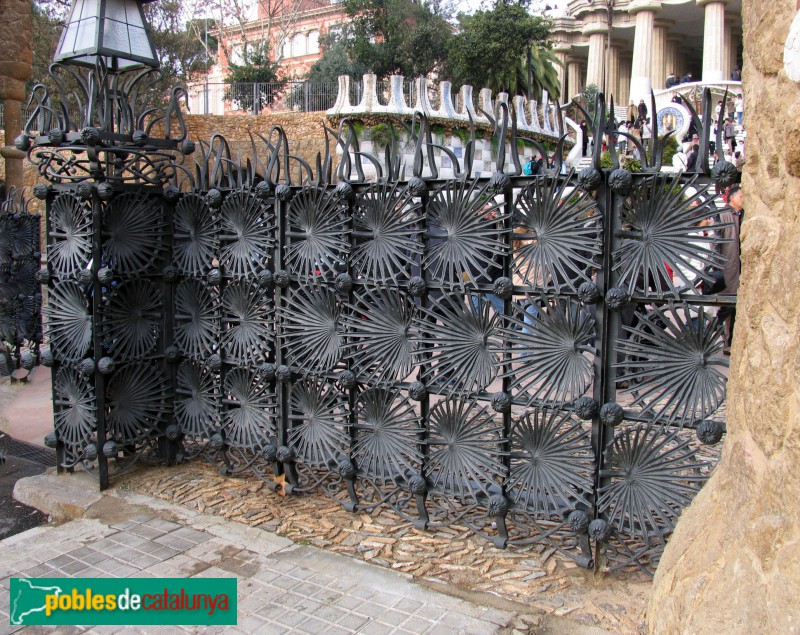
x: 713, y: 40
x: 561, y: 49
x: 731, y: 42
x: 573, y: 78
x: 645, y: 11
x: 658, y: 65
x: 16, y: 32
x: 673, y: 60
x: 625, y: 63
x: 612, y: 76
x: 597, y: 33
x: 733, y: 563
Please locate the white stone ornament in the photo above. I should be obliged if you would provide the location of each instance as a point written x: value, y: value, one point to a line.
x: 791, y: 51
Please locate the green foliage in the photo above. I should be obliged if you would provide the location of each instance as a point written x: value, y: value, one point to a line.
x: 396, y: 36
x: 588, y: 96
x: 335, y: 60
x: 381, y: 135
x: 629, y: 163
x: 255, y: 67
x: 605, y: 160
x: 490, y: 49
x: 669, y: 151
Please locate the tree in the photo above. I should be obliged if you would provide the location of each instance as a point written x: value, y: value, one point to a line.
x: 491, y: 48
x: 335, y: 60
x: 254, y: 82
x: 397, y: 36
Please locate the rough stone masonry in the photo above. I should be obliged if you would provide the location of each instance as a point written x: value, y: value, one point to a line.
x: 733, y: 564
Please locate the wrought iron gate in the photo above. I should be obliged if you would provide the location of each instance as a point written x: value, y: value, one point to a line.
x: 529, y: 357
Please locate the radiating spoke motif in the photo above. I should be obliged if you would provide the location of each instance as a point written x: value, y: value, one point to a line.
x: 386, y: 225
x: 133, y: 233
x: 249, y: 414
x: 19, y: 235
x: 247, y: 336
x: 318, y: 233
x: 459, y: 343
x: 318, y: 420
x: 69, y: 246
x: 661, y: 229
x: 130, y: 322
x: 197, y: 318
x: 551, y: 463
x: 465, y: 228
x: 380, y: 335
x: 247, y: 235
x: 387, y: 434
x: 464, y: 449
x: 74, y: 409
x: 312, y: 328
x: 551, y: 350
x: 196, y: 235
x: 652, y: 474
x: 69, y: 322
x: 557, y: 235
x: 674, y: 364
x: 138, y: 402
x: 197, y: 401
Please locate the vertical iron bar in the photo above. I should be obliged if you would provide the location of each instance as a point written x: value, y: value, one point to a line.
x: 97, y: 307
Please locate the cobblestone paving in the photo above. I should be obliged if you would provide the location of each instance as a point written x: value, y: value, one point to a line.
x: 283, y: 587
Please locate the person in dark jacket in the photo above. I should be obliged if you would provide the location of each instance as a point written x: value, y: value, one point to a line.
x: 691, y: 160
x: 642, y: 109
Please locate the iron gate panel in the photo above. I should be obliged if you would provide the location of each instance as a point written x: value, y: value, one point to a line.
x: 522, y: 356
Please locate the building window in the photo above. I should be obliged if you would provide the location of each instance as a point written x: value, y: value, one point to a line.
x: 298, y: 45
x: 313, y: 42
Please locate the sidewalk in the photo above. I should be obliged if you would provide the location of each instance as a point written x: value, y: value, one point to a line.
x: 283, y: 587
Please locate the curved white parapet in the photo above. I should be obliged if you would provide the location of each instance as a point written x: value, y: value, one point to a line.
x: 485, y: 98
x: 546, y: 112
x: 575, y: 154
x: 342, y: 104
x: 423, y: 104
x: 446, y: 110
x: 397, y: 99
x: 534, y: 109
x: 526, y: 115
x: 519, y: 107
x: 369, y: 99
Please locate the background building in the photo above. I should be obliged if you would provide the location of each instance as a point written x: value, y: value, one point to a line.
x: 649, y: 39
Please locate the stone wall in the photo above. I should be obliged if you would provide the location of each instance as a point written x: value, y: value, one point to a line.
x: 733, y: 564
x: 303, y: 130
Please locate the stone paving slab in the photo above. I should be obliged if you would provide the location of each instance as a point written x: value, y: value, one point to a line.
x: 284, y: 588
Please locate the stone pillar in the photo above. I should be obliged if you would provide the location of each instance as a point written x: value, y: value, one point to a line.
x: 658, y: 65
x: 561, y: 50
x: 713, y: 40
x: 612, y: 76
x: 645, y: 11
x: 733, y: 562
x: 673, y: 60
x: 574, y: 83
x: 731, y: 42
x: 597, y: 32
x: 16, y: 32
x: 625, y: 63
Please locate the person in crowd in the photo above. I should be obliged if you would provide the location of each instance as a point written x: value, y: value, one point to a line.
x: 622, y: 140
x: 731, y: 221
x: 584, y: 138
x: 632, y: 113
x: 729, y: 134
x: 736, y: 74
x: 676, y: 98
x: 691, y: 160
x: 671, y: 81
x: 647, y: 131
x: 738, y: 108
x: 641, y: 110
x: 680, y: 160
x: 687, y: 79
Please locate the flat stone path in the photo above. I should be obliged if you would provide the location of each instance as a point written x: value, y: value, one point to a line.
x: 283, y: 587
